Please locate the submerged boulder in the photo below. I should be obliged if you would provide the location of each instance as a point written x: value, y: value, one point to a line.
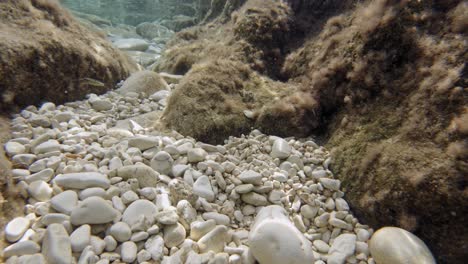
x: 53, y: 58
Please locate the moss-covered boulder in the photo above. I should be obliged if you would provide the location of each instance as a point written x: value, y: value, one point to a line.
x: 45, y: 55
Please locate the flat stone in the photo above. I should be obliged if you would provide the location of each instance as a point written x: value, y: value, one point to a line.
x: 159, y: 95
x: 128, y: 251
x: 280, y: 149
x: 274, y: 239
x: 64, y: 202
x: 27, y: 247
x: 40, y: 191
x: 331, y: 184
x: 321, y: 246
x: 120, y: 231
x: 251, y: 176
x: 93, y: 191
x: 56, y: 245
x: 82, y: 180
x: 80, y: 238
x: 143, y: 143
x: 93, y: 210
x: 254, y: 199
x: 341, y: 204
x: 145, y: 175
x: 54, y: 218
x: 99, y: 104
x: 33, y: 258
x: 174, y: 235
x: 343, y: 247
x: 396, y: 245
x: 221, y: 219
x: 43, y: 175
x: 244, y: 188
x: 132, y: 44
x: 196, y: 155
x: 137, y: 208
x: 14, y: 148
x: 215, y: 240
x: 24, y: 159
x: 202, y: 187
x: 16, y: 228
x: 48, y: 146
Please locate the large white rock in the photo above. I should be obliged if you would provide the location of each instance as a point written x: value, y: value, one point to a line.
x: 202, y: 187
x: 391, y: 245
x: 15, y: 229
x: 82, y: 180
x: 56, y: 246
x: 145, y: 175
x: 280, y: 149
x: 93, y: 210
x: 64, y: 202
x: 274, y: 239
x: 138, y: 208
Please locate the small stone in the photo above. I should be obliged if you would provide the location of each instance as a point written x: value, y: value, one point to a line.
x: 162, y: 163
x: 143, y: 256
x: 145, y: 175
x: 196, y: 155
x: 168, y: 216
x: 14, y: 148
x: 48, y: 146
x: 330, y: 183
x: 16, y: 228
x: 363, y: 235
x: 268, y: 243
x: 140, y: 208
x: 129, y: 251
x: 215, y: 240
x: 309, y: 211
x: 43, y: 175
x: 21, y: 248
x: 254, y: 199
x: 93, y: 210
x: 100, y: 104
x: 155, y: 246
x: 341, y: 204
x: 321, y: 246
x: 244, y: 188
x: 120, y: 231
x: 111, y: 243
x: 139, y: 236
x: 40, y: 191
x: 174, y: 235
x: 56, y: 246
x: 280, y: 149
x: 202, y: 187
x: 200, y: 228
x: 82, y: 180
x: 396, y: 245
x: 343, y: 247
x: 80, y: 238
x: 143, y: 143
x: 252, y: 177
x: 221, y: 219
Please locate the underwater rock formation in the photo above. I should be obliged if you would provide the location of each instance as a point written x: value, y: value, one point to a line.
x: 46, y: 55
x: 383, y: 81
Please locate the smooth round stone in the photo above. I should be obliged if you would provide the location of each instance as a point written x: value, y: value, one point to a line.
x: 138, y: 208
x: 32, y: 258
x: 145, y: 175
x: 27, y: 247
x: 16, y: 228
x: 143, y: 143
x: 199, y: 228
x: 56, y: 245
x: 129, y: 251
x: 120, y: 231
x: 321, y: 246
x: 94, y: 191
x: 40, y: 191
x: 155, y: 246
x: 24, y: 159
x: 274, y: 239
x: 43, y: 175
x: 93, y: 210
x: 215, y: 240
x: 221, y: 219
x: 331, y: 184
x: 254, y: 199
x: 202, y: 187
x: 342, y: 247
x: 341, y: 204
x: 162, y: 163
x: 280, y: 149
x: 196, y: 155
x: 251, y: 176
x: 82, y: 180
x: 64, y: 202
x: 80, y: 238
x: 14, y: 148
x: 48, y: 146
x: 391, y: 245
x: 54, y: 218
x: 174, y: 235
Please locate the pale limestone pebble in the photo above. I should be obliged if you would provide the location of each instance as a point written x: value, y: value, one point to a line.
x: 396, y: 245
x: 341, y: 204
x: 143, y: 256
x: 143, y: 142
x: 88, y: 256
x: 120, y: 231
x: 309, y: 211
x: 199, y: 228
x: 23, y: 160
x: 202, y: 187
x: 21, y: 248
x: 108, y: 257
x: 139, y: 236
x: 187, y: 213
x: 251, y: 176
x: 111, y: 243
x: 331, y: 184
x: 14, y: 148
x: 269, y: 244
x: 93, y: 210
x: 48, y: 146
x: 40, y: 191
x: 16, y: 228
x: 162, y: 162
x: 80, y: 238
x: 343, y: 246
x: 280, y: 149
x: 155, y: 246
x: 20, y: 174
x: 221, y: 219
x: 178, y: 170
x: 128, y: 252
x: 99, y: 104
x: 214, y: 240
x: 140, y: 208
x: 54, y: 218
x: 321, y: 246
x: 97, y: 244
x: 254, y: 198
x: 37, y: 258
x: 168, y: 216
x: 196, y: 155
x: 129, y: 197
x: 244, y: 188
x: 43, y: 175
x: 82, y: 180
x: 56, y: 246
x: 119, y: 133
x: 174, y: 235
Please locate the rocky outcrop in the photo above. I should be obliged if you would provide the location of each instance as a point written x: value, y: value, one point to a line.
x: 45, y: 55
x: 383, y: 82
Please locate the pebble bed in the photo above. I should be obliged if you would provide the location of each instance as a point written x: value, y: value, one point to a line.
x: 101, y: 193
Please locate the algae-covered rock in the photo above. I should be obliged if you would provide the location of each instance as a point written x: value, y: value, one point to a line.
x: 53, y: 58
